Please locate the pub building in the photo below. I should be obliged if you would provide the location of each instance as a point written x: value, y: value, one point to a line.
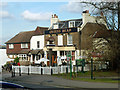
x: 71, y: 37
x: 74, y: 37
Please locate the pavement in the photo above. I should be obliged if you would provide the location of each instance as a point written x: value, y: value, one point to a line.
x: 34, y: 81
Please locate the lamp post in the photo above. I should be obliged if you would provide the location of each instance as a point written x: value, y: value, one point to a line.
x: 80, y: 41
x: 91, y: 68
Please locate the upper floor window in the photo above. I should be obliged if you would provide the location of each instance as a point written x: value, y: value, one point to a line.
x: 24, y: 45
x: 11, y: 46
x: 69, y: 40
x: 71, y: 23
x: 38, y: 44
x: 60, y: 40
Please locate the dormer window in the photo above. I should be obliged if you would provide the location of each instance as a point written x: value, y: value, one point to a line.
x: 71, y: 23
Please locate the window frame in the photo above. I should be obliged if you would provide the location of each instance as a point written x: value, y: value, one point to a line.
x: 26, y: 45
x: 60, y: 37
x: 68, y: 40
x: 38, y: 44
x: 11, y: 46
x: 70, y: 24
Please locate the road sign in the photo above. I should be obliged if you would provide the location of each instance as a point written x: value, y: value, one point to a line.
x: 68, y: 58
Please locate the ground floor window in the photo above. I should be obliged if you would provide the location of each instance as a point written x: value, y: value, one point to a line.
x: 22, y: 56
x: 38, y: 57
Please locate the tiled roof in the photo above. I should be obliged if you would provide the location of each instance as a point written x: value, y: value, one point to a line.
x: 36, y: 51
x: 24, y: 37
x: 23, y: 51
x: 102, y: 34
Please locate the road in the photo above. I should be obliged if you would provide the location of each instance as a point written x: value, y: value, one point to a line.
x: 46, y: 81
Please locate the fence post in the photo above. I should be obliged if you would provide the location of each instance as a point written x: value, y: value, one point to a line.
x: 41, y: 71
x: 61, y: 69
x: 14, y: 72
x: 19, y: 71
x: 28, y: 70
x: 51, y: 71
x: 66, y: 69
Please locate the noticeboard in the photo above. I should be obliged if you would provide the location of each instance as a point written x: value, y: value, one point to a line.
x: 80, y: 62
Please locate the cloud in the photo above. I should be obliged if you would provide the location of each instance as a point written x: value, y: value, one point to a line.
x: 5, y: 14
x: 3, y: 4
x: 77, y: 7
x: 27, y: 15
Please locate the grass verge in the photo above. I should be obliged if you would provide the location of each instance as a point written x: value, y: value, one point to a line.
x: 103, y: 76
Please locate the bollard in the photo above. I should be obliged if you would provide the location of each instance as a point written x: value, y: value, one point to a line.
x: 41, y: 71
x: 51, y: 71
x: 14, y: 72
x: 28, y: 70
x: 66, y: 69
x: 19, y: 71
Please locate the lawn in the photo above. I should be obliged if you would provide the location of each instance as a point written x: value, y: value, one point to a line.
x: 86, y: 76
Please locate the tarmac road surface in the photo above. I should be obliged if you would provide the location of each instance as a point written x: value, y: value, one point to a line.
x: 46, y: 81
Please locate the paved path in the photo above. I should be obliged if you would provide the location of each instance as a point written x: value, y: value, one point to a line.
x: 53, y: 81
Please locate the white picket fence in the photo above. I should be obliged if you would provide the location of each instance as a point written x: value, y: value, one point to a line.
x: 45, y: 70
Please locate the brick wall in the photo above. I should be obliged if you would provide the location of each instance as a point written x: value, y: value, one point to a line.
x: 17, y: 48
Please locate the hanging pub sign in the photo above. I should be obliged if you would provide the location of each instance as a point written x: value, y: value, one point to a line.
x: 57, y: 31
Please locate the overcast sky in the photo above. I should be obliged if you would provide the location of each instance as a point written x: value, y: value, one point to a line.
x: 16, y: 17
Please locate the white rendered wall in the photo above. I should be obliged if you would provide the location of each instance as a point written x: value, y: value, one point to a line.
x: 88, y: 18
x: 33, y: 42
x: 3, y: 57
x: 54, y: 20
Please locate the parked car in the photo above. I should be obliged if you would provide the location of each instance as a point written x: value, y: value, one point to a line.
x: 9, y: 85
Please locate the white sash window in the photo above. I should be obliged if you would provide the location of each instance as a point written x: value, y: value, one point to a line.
x: 60, y: 40
x: 69, y: 40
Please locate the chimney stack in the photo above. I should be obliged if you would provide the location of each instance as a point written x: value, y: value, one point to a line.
x: 54, y: 16
x: 86, y: 11
x: 54, y: 19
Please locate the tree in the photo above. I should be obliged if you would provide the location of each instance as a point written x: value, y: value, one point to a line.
x: 111, y: 12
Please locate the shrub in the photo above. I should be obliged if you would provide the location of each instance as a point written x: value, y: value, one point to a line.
x: 16, y: 60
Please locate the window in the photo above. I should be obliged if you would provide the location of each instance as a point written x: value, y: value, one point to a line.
x: 60, y: 40
x: 72, y: 24
x: 25, y: 45
x: 38, y: 57
x: 69, y: 40
x: 73, y: 55
x: 38, y: 44
x: 22, y: 56
x: 11, y: 46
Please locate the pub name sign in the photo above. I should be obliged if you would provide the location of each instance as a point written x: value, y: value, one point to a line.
x: 57, y: 31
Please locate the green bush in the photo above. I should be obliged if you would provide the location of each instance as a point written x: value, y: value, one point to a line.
x: 16, y: 60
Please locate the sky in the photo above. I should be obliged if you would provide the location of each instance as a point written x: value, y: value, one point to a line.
x: 16, y: 17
